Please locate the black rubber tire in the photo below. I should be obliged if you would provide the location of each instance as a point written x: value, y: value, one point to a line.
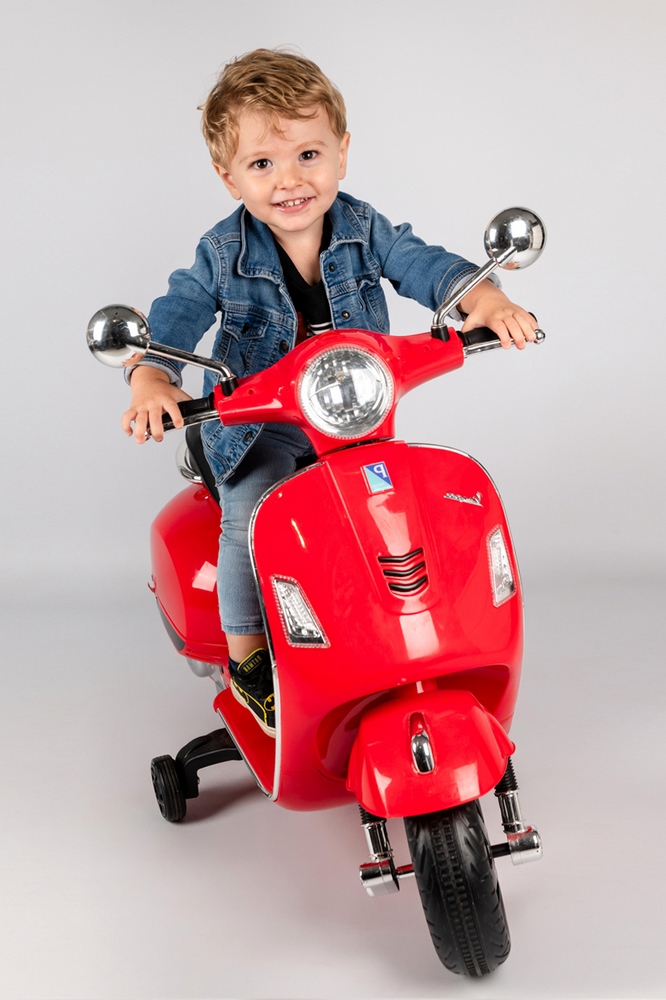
x: 460, y: 893
x: 169, y: 794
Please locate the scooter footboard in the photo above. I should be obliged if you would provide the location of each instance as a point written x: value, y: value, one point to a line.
x: 424, y: 752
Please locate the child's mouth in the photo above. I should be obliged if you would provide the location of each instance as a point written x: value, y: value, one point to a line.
x: 292, y: 203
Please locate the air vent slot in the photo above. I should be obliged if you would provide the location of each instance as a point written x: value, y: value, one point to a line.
x: 405, y: 575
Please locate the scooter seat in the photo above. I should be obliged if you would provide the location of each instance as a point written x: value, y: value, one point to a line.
x: 198, y: 457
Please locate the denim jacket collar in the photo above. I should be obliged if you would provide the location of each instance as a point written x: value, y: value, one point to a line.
x: 258, y: 256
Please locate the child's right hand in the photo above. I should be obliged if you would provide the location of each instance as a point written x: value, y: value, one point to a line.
x: 152, y: 395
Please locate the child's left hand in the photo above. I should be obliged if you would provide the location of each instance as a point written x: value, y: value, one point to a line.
x: 487, y: 305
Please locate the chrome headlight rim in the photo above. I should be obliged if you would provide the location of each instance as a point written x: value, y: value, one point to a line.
x: 386, y: 393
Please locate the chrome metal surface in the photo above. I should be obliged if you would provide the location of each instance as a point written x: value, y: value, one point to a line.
x: 266, y: 791
x: 345, y: 392
x: 405, y: 871
x: 519, y: 230
x: 540, y: 335
x: 515, y: 238
x: 379, y: 878
x: 226, y: 374
x: 491, y: 345
x: 509, y: 804
x: 200, y: 668
x: 525, y: 846
x: 376, y: 836
x: 185, y: 464
x: 475, y: 501
x: 524, y: 841
x: 269, y: 638
x: 382, y: 878
x: 449, y: 304
x: 117, y: 333
x: 422, y: 753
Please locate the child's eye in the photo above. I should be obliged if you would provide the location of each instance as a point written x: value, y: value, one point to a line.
x: 261, y: 164
x: 309, y: 154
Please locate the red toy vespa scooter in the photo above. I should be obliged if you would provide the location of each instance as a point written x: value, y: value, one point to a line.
x: 392, y: 604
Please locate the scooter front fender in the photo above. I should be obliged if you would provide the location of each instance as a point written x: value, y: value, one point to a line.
x: 423, y: 752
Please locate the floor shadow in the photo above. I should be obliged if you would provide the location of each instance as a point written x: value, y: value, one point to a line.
x: 212, y: 801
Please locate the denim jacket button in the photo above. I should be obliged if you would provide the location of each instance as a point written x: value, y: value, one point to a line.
x: 331, y: 267
x: 247, y: 437
x: 284, y: 346
x: 346, y: 314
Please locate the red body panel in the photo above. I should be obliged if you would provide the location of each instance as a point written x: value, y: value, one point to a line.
x: 443, y: 651
x: 469, y: 749
x: 184, y: 542
x: 326, y: 530
x: 270, y: 395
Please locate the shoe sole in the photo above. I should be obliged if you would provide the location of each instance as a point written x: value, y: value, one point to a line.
x: 241, y: 701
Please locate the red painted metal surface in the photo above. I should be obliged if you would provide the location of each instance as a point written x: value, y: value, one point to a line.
x: 468, y: 745
x: 184, y: 542
x: 399, y: 580
x: 271, y: 394
x: 326, y: 530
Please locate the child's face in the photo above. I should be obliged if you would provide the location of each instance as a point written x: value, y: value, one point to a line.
x: 288, y: 180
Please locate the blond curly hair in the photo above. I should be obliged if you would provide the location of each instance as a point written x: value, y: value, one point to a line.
x: 273, y: 82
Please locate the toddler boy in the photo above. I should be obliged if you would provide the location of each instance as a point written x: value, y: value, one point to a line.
x: 297, y: 258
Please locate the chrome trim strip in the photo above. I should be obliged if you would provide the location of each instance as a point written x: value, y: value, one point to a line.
x: 271, y: 649
x: 237, y: 745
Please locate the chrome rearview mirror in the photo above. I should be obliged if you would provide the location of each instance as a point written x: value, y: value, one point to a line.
x: 118, y: 333
x: 513, y: 239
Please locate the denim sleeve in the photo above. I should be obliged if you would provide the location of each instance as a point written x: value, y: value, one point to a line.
x: 182, y: 316
x: 428, y: 274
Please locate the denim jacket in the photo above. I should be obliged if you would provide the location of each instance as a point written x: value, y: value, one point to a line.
x: 237, y: 273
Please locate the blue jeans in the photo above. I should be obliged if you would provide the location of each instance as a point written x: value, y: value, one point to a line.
x: 272, y: 457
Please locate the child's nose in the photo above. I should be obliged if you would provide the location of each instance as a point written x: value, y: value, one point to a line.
x: 289, y: 175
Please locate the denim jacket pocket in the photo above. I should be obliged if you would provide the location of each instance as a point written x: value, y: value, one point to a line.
x: 248, y: 331
x: 372, y: 298
x: 243, y: 322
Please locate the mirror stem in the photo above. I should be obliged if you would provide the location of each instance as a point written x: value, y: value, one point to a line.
x: 228, y: 380
x: 438, y: 320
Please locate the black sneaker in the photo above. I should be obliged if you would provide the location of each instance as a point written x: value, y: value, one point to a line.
x: 252, y: 686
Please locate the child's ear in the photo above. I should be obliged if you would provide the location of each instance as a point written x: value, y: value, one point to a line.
x: 227, y: 180
x: 344, y: 149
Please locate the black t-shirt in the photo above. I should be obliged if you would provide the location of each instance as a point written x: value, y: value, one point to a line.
x: 310, y: 301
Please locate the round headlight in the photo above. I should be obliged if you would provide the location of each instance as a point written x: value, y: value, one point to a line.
x: 346, y: 392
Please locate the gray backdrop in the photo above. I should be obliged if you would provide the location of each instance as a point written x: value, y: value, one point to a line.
x: 456, y: 111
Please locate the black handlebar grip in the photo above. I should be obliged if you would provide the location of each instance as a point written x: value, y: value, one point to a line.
x: 479, y: 337
x: 194, y: 411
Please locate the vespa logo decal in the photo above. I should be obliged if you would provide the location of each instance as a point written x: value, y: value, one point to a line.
x: 475, y: 500
x: 377, y: 477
